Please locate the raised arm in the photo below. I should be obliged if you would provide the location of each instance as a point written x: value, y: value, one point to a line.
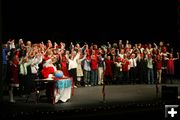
x: 177, y: 56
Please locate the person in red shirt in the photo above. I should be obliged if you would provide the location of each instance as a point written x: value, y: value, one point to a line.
x: 108, y: 70
x: 14, y: 72
x: 94, y: 68
x: 63, y: 63
x: 125, y: 68
x: 158, y: 63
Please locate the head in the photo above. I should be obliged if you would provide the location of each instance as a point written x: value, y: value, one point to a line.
x: 95, y: 47
x: 149, y: 45
x: 158, y: 57
x: 49, y: 52
x: 49, y: 43
x: 161, y: 43
x: 5, y: 45
x: 63, y: 59
x: 109, y: 57
x: 149, y: 56
x: 20, y: 41
x: 122, y: 51
x: 133, y: 55
x: 118, y: 59
x: 77, y: 45
x: 171, y: 55
x: 73, y: 54
x: 28, y: 43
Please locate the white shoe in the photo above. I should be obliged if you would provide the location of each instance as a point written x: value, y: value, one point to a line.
x: 75, y: 86
x: 89, y: 85
x: 86, y: 85
x: 12, y: 101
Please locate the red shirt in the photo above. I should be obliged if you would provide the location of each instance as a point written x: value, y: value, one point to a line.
x: 108, y: 70
x: 158, y: 65
x: 125, y: 66
x: 94, y: 63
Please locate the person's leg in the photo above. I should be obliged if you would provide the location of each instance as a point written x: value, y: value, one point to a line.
x: 89, y: 77
x: 74, y: 75
x: 85, y: 78
x: 100, y: 75
x: 92, y: 78
x: 11, y: 96
x: 148, y: 74
x: 96, y: 77
x: 160, y: 74
x: 171, y: 78
x: 152, y: 76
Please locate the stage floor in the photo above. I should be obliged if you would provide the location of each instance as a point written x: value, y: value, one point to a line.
x: 91, y: 98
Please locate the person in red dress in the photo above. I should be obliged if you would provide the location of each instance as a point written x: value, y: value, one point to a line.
x: 170, y: 66
x: 63, y: 63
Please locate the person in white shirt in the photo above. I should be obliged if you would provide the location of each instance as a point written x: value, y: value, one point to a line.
x: 133, y: 68
x: 72, y: 67
x: 150, y: 71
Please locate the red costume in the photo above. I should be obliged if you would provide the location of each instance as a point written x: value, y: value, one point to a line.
x: 108, y: 70
x: 64, y: 66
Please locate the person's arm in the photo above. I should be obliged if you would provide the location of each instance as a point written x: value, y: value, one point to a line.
x: 40, y: 59
x: 20, y: 62
x: 177, y: 56
x: 83, y: 58
x: 67, y: 55
x: 77, y: 55
x: 30, y: 62
x: 155, y: 46
x: 109, y: 45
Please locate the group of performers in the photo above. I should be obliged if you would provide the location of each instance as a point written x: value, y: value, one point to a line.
x: 88, y: 65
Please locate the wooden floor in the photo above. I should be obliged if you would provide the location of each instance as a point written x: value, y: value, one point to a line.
x: 91, y: 98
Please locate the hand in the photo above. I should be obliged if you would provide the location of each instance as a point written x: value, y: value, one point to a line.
x: 127, y: 41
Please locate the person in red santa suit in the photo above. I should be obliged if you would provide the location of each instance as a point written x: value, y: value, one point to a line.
x: 48, y: 73
x: 48, y: 69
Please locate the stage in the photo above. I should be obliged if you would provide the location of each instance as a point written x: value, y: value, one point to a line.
x: 121, y: 100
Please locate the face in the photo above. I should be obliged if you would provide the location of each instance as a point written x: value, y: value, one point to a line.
x: 122, y: 51
x: 49, y: 52
x: 5, y: 45
x: 20, y: 41
x: 28, y: 43
x: 171, y: 55
x: 161, y: 43
x: 63, y: 59
x: 132, y: 56
x: 149, y: 45
x: 77, y: 45
x: 109, y: 57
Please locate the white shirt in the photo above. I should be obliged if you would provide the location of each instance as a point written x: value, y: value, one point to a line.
x: 73, y: 62
x: 133, y: 62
